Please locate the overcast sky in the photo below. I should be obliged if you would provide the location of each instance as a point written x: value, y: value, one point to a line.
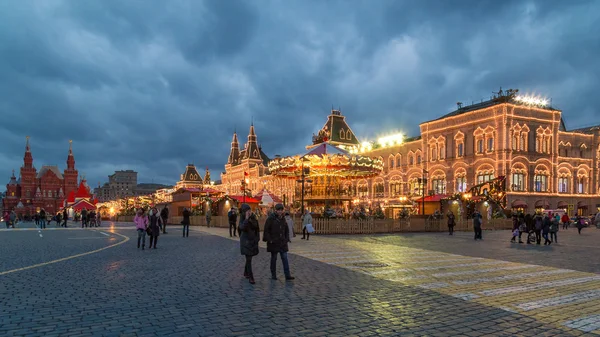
x: 151, y: 85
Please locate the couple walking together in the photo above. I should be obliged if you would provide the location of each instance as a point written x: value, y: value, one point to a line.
x: 276, y: 234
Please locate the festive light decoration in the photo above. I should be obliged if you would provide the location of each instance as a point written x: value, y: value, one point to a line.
x: 391, y: 140
x: 327, y: 165
x: 532, y: 100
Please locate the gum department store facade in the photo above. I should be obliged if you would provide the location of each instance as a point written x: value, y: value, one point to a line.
x: 545, y: 166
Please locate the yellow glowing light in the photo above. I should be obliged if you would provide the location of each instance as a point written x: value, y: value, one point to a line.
x: 391, y: 140
x: 532, y: 100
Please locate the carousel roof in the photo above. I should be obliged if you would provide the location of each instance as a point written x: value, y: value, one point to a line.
x: 327, y: 160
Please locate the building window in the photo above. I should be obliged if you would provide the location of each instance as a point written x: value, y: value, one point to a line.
x: 518, y: 182
x: 563, y: 185
x: 490, y: 144
x: 522, y: 143
x: 515, y: 142
x: 398, y: 162
x: 348, y: 135
x: 442, y: 151
x: 439, y: 186
x: 342, y: 134
x: 418, y: 159
x: 363, y: 191
x: 480, y: 146
x: 460, y: 149
x: 581, y: 185
x: 416, y: 187
x: 391, y: 161
x: 540, y: 183
x: 433, y: 153
x: 395, y: 189
x: 484, y: 177
x: 411, y: 160
x: 461, y: 184
x: 379, y: 190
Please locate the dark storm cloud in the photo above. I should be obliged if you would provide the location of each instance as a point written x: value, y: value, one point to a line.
x: 153, y: 85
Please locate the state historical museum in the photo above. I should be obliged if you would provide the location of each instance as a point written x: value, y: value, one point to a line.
x: 46, y: 188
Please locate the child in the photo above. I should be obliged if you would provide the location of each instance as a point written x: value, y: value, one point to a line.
x: 515, y: 234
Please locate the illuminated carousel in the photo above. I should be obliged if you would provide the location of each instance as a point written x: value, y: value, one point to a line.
x: 326, y: 173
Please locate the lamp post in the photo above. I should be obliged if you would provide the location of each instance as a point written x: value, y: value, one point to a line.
x: 303, y: 176
x: 423, y: 185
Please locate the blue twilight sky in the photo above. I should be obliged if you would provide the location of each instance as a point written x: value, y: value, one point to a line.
x: 151, y: 85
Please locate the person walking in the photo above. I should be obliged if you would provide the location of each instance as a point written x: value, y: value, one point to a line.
x: 515, y: 228
x: 554, y: 229
x: 546, y: 230
x: 306, y: 219
x: 249, y: 238
x: 141, y: 224
x: 65, y: 218
x: 84, y: 217
x: 276, y: 236
x: 186, y: 222
x: 477, y: 225
x: 164, y: 214
x: 208, y: 217
x: 579, y: 224
x: 232, y: 219
x: 290, y: 223
x: 154, y: 224
x: 597, y: 220
x: 451, y: 222
x: 36, y: 218
x: 42, y: 219
x: 565, y: 221
x: 13, y: 218
x: 538, y: 229
x: 6, y: 218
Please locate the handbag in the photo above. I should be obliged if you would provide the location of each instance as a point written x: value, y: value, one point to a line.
x: 148, y: 231
x: 309, y: 228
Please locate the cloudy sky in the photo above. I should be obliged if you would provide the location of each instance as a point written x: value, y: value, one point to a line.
x: 151, y: 85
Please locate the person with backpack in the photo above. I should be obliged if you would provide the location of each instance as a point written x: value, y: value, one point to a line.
x: 451, y: 222
x: 164, y: 214
x: 538, y: 229
x: 580, y: 222
x: 154, y: 224
x: 232, y: 219
x: 477, y: 225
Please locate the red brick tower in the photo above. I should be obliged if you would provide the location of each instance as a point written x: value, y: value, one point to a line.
x: 70, y: 174
x: 28, y: 176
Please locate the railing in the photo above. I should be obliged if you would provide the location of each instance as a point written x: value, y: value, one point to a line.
x: 356, y: 226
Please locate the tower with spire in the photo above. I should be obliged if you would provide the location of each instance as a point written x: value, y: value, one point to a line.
x: 234, y: 154
x: 70, y: 173
x: 28, y: 173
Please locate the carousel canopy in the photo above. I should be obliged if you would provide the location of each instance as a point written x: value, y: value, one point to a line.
x: 267, y: 198
x: 327, y: 160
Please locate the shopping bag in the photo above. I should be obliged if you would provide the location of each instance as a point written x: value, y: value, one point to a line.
x: 309, y: 228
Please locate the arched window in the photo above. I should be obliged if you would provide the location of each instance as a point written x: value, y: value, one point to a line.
x: 418, y: 159
x: 540, y: 183
x: 391, y: 162
x: 522, y: 143
x: 411, y: 160
x: 348, y: 135
x: 398, y: 161
x: 342, y: 134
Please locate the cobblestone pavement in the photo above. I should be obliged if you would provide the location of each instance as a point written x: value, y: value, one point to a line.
x: 363, y: 286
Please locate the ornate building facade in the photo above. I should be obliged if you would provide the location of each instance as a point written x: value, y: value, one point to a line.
x: 246, y: 170
x: 545, y: 165
x: 46, y: 188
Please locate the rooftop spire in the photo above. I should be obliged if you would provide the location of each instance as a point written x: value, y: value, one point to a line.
x: 26, y: 143
x: 70, y: 157
x: 28, y: 159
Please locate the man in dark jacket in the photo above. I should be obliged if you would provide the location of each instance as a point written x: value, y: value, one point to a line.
x: 276, y: 236
x: 164, y: 215
x: 232, y: 217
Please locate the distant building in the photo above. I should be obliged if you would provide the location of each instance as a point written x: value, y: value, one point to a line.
x: 46, y: 188
x: 147, y: 189
x: 190, y: 178
x: 122, y: 184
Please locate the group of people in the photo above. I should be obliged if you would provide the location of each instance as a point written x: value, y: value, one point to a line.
x: 90, y: 219
x: 543, y: 226
x: 10, y: 218
x: 477, y: 221
x: 151, y: 224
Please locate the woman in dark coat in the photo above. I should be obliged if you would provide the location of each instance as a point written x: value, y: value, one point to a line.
x: 154, y: 226
x: 249, y: 238
x: 186, y: 222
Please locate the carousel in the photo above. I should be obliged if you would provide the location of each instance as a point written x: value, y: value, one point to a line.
x: 325, y: 175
